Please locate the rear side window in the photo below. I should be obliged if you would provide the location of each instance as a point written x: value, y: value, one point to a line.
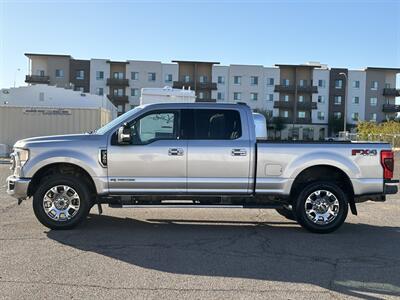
x: 211, y: 124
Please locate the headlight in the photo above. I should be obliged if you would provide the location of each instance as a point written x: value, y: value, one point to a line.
x: 23, y: 155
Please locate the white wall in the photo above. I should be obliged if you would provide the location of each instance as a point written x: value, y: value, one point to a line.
x: 246, y: 88
x: 99, y: 65
x: 221, y: 87
x: 321, y: 74
x: 143, y: 67
x: 269, y: 89
x: 356, y: 92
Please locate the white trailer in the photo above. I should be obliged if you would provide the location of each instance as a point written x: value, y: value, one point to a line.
x: 166, y: 95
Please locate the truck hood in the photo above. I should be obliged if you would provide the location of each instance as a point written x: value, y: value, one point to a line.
x: 50, y: 140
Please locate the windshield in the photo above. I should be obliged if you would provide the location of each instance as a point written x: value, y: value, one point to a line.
x: 117, y: 121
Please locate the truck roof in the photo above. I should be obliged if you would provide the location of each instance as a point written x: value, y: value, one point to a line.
x: 196, y: 105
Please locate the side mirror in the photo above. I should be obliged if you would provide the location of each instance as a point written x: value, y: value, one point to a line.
x: 124, y: 134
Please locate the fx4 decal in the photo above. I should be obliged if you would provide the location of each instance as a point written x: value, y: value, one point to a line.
x: 365, y: 152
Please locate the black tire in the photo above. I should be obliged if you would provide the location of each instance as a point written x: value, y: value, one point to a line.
x: 287, y: 212
x: 342, y: 210
x: 75, y: 183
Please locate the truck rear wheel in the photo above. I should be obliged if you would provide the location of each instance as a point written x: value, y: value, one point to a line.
x: 61, y: 201
x: 321, y: 207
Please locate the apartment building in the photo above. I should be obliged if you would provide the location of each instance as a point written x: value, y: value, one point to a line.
x: 310, y: 100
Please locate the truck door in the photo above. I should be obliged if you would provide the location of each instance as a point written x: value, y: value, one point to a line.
x: 218, y: 152
x: 155, y: 159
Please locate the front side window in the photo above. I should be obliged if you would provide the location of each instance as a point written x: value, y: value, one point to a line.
x: 154, y: 126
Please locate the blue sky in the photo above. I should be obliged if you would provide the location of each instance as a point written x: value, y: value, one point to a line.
x: 340, y: 33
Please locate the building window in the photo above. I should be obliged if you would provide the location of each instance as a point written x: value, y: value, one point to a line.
x: 337, y: 115
x: 354, y: 116
x: 151, y: 76
x: 373, y: 117
x: 387, y: 85
x: 254, y: 96
x: 285, y: 82
x: 118, y: 92
x: 237, y: 96
x: 100, y: 91
x: 99, y: 75
x: 321, y: 83
x: 221, y: 79
x: 186, y: 78
x: 220, y: 96
x: 201, y: 95
x: 321, y: 99
x: 41, y: 73
x: 59, y: 73
x: 134, y: 92
x: 373, y: 101
x: 168, y: 77
x: 237, y: 79
x: 338, y: 100
x: 302, y: 82
x: 301, y: 114
x: 118, y: 75
x: 270, y: 81
x: 254, y: 80
x: 80, y: 89
x: 270, y: 97
x: 80, y: 74
x: 301, y: 98
x: 374, y: 85
x: 120, y: 108
x: 202, y: 79
x: 285, y: 114
x: 338, y: 83
x: 321, y: 115
x: 356, y: 100
x: 286, y: 98
x: 356, y: 84
x: 134, y: 75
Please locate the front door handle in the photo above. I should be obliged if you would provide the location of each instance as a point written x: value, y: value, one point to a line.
x: 175, y: 151
x: 239, y: 152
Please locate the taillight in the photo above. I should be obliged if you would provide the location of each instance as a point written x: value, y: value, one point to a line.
x: 387, y: 162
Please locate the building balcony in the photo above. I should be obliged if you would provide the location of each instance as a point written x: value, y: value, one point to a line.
x: 306, y: 120
x: 37, y: 79
x: 391, y: 92
x: 117, y: 82
x: 292, y: 89
x: 283, y: 104
x: 390, y: 108
x: 307, y: 105
x: 195, y: 85
x: 287, y: 120
x: 118, y: 99
x: 307, y: 89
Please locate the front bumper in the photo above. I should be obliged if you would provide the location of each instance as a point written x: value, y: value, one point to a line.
x: 18, y: 187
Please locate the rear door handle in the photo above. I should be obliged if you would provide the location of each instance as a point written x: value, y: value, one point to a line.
x: 175, y: 151
x: 238, y: 152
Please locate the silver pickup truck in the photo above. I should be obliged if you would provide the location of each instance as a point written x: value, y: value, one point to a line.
x: 197, y: 155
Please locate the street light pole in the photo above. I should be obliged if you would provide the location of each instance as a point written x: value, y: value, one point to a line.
x: 15, y: 75
x: 345, y: 100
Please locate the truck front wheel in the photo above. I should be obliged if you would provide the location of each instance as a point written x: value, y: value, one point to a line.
x: 61, y: 201
x: 321, y: 207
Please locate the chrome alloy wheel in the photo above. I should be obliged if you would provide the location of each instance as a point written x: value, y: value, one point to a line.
x: 61, y: 203
x: 322, y: 207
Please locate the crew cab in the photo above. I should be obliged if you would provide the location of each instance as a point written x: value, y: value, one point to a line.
x: 197, y: 155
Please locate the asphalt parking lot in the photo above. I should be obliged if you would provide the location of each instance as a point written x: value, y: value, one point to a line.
x: 198, y: 254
